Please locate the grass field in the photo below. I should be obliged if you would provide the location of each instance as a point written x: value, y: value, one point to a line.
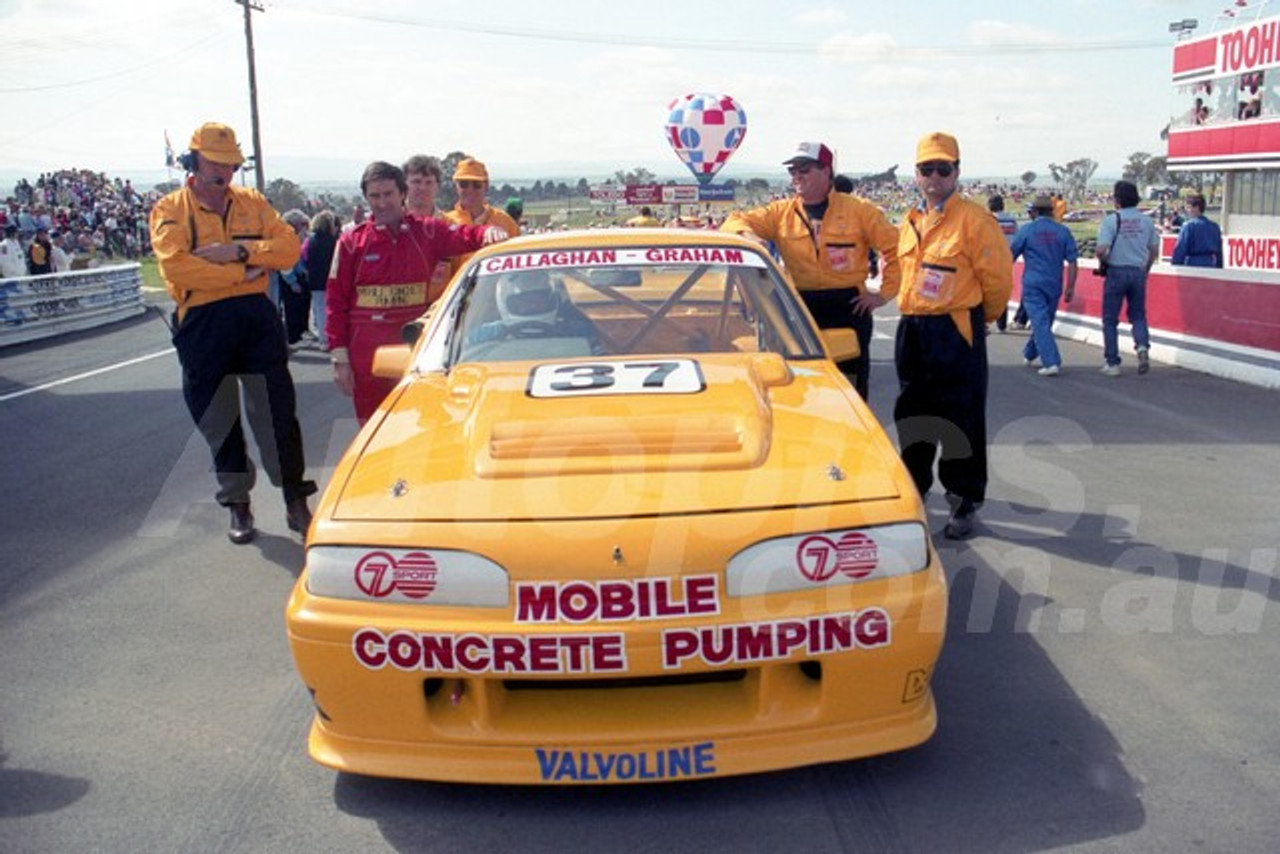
x: 151, y: 280
x: 579, y: 213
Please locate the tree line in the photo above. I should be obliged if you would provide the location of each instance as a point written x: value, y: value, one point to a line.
x: 1072, y: 178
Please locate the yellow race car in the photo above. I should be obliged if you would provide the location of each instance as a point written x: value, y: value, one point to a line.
x: 622, y: 520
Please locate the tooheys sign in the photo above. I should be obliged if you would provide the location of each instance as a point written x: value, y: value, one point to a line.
x: 1252, y: 253
x: 1250, y: 48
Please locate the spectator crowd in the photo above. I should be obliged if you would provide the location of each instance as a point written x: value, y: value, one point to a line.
x: 86, y: 218
x: 78, y: 219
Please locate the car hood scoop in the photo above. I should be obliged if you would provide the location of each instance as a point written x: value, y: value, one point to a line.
x: 726, y: 424
x: 639, y: 442
x: 481, y: 444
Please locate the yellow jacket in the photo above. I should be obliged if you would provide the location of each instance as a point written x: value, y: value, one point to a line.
x: 180, y: 224
x: 953, y: 260
x: 834, y: 255
x: 491, y: 216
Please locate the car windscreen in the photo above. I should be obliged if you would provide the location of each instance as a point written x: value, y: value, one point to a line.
x: 627, y: 301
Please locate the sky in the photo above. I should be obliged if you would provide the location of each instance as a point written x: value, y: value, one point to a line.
x: 526, y: 85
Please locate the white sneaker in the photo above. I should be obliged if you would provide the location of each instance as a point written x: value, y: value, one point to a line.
x: 1030, y: 363
x: 1049, y: 371
x: 1111, y: 370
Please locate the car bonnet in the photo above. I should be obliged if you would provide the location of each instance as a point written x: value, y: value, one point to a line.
x: 496, y: 442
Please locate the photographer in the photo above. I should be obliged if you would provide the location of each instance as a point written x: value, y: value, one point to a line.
x: 1128, y: 244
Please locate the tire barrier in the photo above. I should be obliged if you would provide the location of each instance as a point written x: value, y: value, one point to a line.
x: 34, y: 307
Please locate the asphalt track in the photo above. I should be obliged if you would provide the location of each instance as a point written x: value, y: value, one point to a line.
x: 1109, y: 681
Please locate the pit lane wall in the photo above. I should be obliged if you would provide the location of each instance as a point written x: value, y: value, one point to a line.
x: 34, y: 307
x: 1220, y: 322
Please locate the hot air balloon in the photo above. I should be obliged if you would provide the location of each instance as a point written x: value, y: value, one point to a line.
x: 705, y: 130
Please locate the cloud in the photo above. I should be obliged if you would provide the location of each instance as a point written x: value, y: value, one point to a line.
x: 625, y: 62
x: 1003, y: 34
x: 846, y: 48
x: 861, y: 77
x: 824, y: 17
x: 898, y: 78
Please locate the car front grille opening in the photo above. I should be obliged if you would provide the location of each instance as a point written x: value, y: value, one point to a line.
x: 674, y: 681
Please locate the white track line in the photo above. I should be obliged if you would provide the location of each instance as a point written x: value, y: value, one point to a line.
x: 16, y: 394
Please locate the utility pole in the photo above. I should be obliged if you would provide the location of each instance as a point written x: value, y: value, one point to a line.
x: 249, y: 7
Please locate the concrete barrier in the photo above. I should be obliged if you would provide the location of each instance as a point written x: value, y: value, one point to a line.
x: 1220, y: 322
x: 34, y: 307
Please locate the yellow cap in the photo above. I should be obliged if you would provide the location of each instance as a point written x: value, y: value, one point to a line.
x: 937, y: 146
x: 217, y: 143
x: 470, y: 170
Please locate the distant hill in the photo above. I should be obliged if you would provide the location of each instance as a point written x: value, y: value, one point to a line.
x: 327, y: 174
x: 333, y: 172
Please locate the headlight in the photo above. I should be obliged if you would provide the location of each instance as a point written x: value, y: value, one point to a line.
x: 422, y: 576
x: 828, y: 558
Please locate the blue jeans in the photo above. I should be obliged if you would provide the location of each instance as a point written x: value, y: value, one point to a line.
x: 1042, y: 308
x: 1124, y: 284
x: 317, y: 317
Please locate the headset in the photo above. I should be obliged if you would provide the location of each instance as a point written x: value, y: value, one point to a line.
x: 187, y: 160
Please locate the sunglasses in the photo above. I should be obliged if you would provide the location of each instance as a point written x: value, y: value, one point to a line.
x: 800, y: 170
x: 470, y: 185
x: 943, y: 169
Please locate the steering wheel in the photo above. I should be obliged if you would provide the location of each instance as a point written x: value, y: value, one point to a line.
x: 530, y: 329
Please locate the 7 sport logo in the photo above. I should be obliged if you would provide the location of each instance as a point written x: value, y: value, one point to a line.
x: 379, y: 574
x: 819, y: 558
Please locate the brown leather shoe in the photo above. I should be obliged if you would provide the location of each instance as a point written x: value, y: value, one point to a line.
x: 298, y: 515
x: 241, y: 530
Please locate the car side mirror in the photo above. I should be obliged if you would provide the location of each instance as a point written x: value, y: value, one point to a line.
x: 842, y: 344
x: 412, y: 331
x: 392, y: 361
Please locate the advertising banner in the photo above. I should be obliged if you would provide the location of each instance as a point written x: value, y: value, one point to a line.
x: 680, y: 194
x: 607, y: 193
x: 715, y: 193
x: 644, y: 194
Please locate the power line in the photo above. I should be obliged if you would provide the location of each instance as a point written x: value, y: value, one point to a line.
x: 114, y: 74
x: 738, y: 46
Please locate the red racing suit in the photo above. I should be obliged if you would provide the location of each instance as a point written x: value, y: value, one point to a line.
x: 379, y: 282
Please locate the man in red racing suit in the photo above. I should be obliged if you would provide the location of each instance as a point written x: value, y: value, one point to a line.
x: 380, y: 281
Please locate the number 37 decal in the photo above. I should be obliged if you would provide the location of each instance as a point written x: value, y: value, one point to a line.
x: 663, y: 376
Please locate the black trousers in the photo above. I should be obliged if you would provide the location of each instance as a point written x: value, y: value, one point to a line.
x: 227, y: 346
x: 942, y: 403
x: 833, y: 309
x: 297, y: 311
